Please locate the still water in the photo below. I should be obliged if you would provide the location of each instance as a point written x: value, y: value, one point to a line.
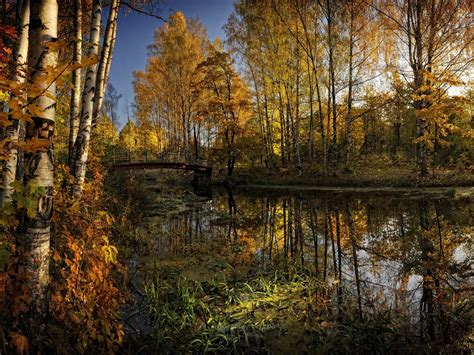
x: 406, y: 253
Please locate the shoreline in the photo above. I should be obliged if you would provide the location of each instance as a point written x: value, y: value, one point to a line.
x: 390, y: 179
x: 455, y: 192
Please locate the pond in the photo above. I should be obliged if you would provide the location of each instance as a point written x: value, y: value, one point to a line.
x: 254, y: 270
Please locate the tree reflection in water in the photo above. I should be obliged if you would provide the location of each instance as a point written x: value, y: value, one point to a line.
x: 407, y: 256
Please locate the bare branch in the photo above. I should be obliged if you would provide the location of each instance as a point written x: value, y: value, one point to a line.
x: 143, y: 12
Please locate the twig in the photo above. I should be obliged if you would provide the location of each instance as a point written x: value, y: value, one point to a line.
x: 133, y: 8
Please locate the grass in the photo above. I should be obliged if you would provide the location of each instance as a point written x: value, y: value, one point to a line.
x: 280, y: 310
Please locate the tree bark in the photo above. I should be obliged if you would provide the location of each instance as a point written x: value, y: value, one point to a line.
x: 321, y: 127
x: 283, y: 144
x: 332, y: 84
x: 81, y: 146
x: 34, y: 239
x: 12, y: 132
x: 105, y: 58
x: 76, y: 78
x: 311, y: 116
x: 349, y: 95
x: 297, y: 109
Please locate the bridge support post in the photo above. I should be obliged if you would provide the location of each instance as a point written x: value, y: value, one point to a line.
x: 202, y: 182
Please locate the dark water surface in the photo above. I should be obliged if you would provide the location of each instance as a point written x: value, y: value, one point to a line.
x: 406, y: 256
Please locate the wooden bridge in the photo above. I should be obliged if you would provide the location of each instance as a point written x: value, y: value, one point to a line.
x: 163, y: 165
x: 202, y: 172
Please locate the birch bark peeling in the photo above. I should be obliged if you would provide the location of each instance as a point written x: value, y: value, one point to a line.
x: 105, y: 58
x: 34, y: 238
x: 81, y: 146
x: 76, y: 78
x: 12, y: 132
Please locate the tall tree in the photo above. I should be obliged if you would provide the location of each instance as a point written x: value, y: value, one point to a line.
x: 229, y: 103
x: 75, y: 105
x: 34, y: 238
x: 165, y: 91
x: 433, y: 36
x: 12, y: 132
x: 105, y: 58
x: 81, y: 145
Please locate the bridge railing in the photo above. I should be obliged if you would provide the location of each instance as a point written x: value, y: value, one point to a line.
x: 120, y: 157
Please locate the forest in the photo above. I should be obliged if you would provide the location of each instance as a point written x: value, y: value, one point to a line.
x: 303, y: 184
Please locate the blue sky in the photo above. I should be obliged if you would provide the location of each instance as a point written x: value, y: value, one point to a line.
x: 135, y: 33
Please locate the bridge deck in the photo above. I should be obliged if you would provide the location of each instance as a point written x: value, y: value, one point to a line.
x: 163, y: 165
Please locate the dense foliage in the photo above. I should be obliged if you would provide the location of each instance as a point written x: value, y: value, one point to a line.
x: 331, y: 83
x: 328, y: 92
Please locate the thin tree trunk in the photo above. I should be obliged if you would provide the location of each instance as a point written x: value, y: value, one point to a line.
x: 311, y: 116
x: 105, y: 58
x: 285, y: 234
x: 396, y: 129
x: 76, y: 78
x: 12, y: 132
x: 320, y: 105
x: 81, y: 146
x: 435, y: 147
x: 109, y: 62
x: 321, y: 127
x: 268, y: 131
x: 289, y: 127
x: 259, y: 110
x: 34, y: 240
x: 332, y: 84
x: 297, y: 108
x: 196, y: 143
x: 349, y: 95
x: 284, y: 156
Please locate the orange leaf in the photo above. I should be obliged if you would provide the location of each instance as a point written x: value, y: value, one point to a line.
x: 20, y: 343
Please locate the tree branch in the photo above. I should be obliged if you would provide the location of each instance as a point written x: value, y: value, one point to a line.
x: 140, y: 11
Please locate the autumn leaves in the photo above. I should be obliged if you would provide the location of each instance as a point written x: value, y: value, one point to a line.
x: 190, y: 94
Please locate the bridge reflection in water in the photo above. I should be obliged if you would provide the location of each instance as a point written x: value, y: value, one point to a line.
x: 202, y: 173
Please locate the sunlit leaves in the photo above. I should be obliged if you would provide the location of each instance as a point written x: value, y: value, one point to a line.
x: 164, y: 93
x: 85, y: 295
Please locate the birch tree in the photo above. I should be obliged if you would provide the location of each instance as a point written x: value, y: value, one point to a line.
x: 34, y: 238
x: 81, y: 145
x: 12, y: 132
x: 74, y: 115
x: 164, y: 92
x: 432, y: 37
x: 105, y: 58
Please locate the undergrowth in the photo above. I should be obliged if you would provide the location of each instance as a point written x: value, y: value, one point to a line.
x: 277, y: 311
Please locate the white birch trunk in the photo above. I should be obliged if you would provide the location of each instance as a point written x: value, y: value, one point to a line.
x: 34, y: 240
x: 81, y: 146
x: 12, y: 132
x: 76, y: 78
x: 105, y: 58
x: 109, y: 60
